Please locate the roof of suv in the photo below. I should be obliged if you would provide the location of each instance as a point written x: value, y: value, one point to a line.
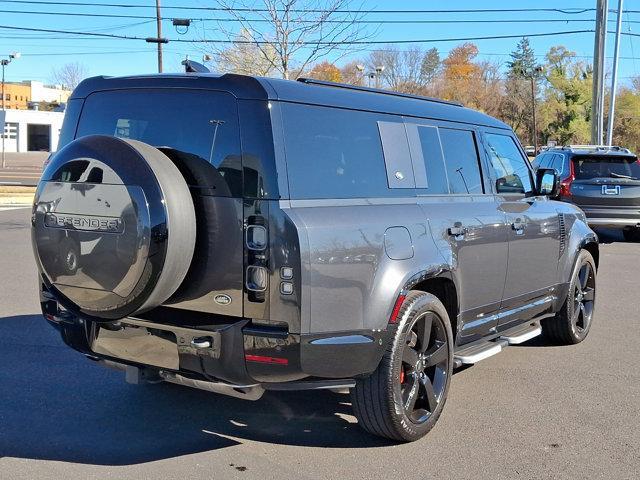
x: 317, y: 93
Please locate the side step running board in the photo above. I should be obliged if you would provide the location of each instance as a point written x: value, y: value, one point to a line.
x: 522, y: 334
x: 475, y: 353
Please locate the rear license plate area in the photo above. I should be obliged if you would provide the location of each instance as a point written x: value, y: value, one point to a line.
x: 147, y: 346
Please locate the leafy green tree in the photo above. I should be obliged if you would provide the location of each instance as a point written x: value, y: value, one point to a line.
x: 626, y: 125
x: 523, y: 60
x: 430, y: 68
x: 566, y: 111
x: 517, y: 107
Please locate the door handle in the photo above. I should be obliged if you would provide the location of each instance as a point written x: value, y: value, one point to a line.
x: 518, y: 226
x: 457, y: 230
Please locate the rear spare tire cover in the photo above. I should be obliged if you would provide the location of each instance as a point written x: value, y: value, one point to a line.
x: 121, y: 210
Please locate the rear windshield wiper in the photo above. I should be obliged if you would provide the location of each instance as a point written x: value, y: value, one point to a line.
x: 620, y: 175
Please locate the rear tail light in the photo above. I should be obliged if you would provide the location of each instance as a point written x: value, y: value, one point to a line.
x: 565, y: 185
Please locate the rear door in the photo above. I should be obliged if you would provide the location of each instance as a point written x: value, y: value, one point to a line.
x: 533, y: 230
x: 202, y: 137
x: 465, y: 220
x: 606, y: 184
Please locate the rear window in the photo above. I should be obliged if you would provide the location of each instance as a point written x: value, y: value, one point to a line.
x: 193, y: 125
x: 586, y: 168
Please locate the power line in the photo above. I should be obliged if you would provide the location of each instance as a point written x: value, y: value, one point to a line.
x: 567, y: 11
x: 310, y: 42
x: 264, y: 20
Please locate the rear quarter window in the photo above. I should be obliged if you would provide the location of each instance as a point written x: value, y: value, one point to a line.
x: 334, y: 153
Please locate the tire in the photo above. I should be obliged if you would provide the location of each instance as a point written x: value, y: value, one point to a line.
x: 380, y: 401
x: 130, y: 208
x: 572, y: 323
x: 631, y: 234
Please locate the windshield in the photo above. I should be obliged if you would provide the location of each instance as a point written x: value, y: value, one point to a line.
x: 586, y: 168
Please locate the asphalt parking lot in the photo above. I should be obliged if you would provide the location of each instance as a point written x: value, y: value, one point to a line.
x: 533, y: 411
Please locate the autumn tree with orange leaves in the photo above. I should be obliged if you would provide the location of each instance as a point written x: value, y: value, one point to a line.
x: 326, y: 71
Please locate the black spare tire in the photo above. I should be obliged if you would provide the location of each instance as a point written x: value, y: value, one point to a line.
x: 121, y: 210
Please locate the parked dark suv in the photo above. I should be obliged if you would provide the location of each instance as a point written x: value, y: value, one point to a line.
x: 240, y: 234
x: 603, y: 181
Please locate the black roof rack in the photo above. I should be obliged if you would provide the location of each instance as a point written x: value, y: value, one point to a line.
x: 325, y: 83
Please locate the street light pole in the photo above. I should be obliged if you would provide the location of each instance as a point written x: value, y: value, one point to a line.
x: 614, y: 75
x: 4, y: 62
x: 4, y: 114
x: 597, y: 114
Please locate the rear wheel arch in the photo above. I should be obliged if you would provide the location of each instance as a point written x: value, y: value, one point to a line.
x: 593, y: 248
x: 442, y: 286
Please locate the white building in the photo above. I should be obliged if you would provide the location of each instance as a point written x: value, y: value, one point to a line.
x: 47, y: 93
x: 31, y: 130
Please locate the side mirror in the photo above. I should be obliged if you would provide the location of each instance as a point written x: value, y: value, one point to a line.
x: 547, y: 182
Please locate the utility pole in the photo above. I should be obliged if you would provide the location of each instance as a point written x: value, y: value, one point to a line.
x: 159, y: 26
x: 158, y: 40
x: 614, y: 75
x: 597, y: 108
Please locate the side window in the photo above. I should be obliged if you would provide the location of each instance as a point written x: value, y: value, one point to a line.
x: 539, y: 161
x: 557, y: 162
x: 430, y: 170
x: 334, y: 153
x: 461, y: 160
x: 510, y: 167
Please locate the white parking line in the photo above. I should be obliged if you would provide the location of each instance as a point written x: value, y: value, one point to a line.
x: 16, y: 207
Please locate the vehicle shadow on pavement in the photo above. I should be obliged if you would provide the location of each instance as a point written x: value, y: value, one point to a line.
x: 57, y: 405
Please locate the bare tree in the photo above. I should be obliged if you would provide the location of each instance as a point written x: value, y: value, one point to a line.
x: 292, y: 34
x: 245, y: 58
x: 69, y: 75
x: 403, y: 69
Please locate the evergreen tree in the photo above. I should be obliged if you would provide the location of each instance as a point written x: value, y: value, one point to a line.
x: 523, y: 60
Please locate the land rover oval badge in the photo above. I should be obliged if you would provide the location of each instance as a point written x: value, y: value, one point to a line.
x: 222, y: 299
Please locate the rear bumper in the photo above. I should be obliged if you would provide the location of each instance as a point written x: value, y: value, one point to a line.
x: 616, y: 217
x: 236, y: 353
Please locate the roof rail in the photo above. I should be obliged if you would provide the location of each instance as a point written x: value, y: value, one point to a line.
x: 596, y: 147
x: 325, y: 83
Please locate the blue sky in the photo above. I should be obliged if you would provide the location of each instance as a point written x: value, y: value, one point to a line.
x: 42, y: 52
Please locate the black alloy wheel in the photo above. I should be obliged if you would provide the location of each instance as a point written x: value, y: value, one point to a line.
x: 403, y: 398
x: 584, y: 298
x: 573, y: 322
x: 425, y: 366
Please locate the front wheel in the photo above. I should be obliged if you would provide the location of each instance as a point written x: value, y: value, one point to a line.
x: 404, y: 397
x: 572, y: 323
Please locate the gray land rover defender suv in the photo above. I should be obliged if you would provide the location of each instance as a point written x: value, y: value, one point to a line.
x: 241, y: 234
